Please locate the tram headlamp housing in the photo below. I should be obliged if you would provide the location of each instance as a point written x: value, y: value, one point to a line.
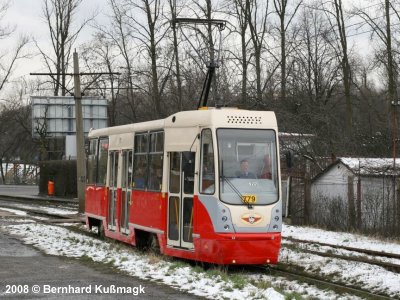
x: 226, y: 227
x: 276, y: 218
x: 224, y: 218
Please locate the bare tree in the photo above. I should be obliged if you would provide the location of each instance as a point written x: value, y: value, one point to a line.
x: 257, y: 15
x: 119, y: 35
x: 8, y: 60
x: 315, y: 58
x: 281, y: 9
x: 101, y: 55
x: 149, y: 35
x: 59, y: 15
x: 239, y: 11
x: 340, y: 44
x: 173, y: 8
x: 5, y: 30
x: 13, y: 137
x: 9, y: 57
x: 382, y: 28
x: 15, y: 128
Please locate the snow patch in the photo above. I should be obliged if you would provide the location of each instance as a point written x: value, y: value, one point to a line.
x: 14, y: 211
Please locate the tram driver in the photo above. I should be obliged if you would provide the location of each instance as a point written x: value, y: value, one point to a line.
x: 244, y: 170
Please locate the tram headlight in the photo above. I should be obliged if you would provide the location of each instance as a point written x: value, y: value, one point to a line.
x: 226, y: 227
x: 275, y: 227
x: 224, y: 218
x: 276, y: 218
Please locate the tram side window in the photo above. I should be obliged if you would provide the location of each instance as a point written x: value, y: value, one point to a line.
x: 148, y: 161
x: 102, y: 161
x: 92, y: 162
x: 140, y: 161
x: 207, y: 176
x: 156, y: 150
x: 174, y: 173
x: 129, y: 167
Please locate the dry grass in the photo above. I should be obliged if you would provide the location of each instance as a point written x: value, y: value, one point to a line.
x: 154, y: 258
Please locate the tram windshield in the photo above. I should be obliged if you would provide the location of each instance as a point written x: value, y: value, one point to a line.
x: 247, y: 166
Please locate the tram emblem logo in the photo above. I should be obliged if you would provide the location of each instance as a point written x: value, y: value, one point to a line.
x: 252, y: 219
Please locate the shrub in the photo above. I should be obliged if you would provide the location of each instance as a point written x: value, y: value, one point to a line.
x: 63, y: 174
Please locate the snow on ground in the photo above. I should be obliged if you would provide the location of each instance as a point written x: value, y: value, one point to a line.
x: 14, y: 211
x: 338, y: 251
x: 56, y: 240
x: 368, y: 276
x: 58, y: 211
x: 47, y: 209
x: 339, y: 238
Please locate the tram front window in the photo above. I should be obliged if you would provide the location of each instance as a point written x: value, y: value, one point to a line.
x: 247, y: 166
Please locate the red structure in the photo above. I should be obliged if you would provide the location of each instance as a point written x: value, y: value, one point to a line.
x: 173, y: 184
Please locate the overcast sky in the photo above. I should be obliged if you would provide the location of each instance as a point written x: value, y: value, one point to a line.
x: 27, y: 16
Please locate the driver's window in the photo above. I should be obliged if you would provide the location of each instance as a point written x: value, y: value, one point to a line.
x: 207, y: 176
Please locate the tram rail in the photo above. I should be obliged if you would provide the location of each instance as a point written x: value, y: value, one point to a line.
x: 286, y: 271
x: 387, y: 265
x: 53, y: 217
x: 354, y: 249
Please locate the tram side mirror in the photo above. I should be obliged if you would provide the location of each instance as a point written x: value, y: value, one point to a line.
x: 289, y: 159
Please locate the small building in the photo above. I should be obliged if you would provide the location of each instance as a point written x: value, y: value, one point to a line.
x: 357, y: 193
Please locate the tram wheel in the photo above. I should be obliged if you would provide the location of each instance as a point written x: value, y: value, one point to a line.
x: 154, y: 245
x: 101, y: 231
x: 201, y: 264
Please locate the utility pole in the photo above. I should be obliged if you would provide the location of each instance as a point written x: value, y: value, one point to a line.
x: 80, y: 140
x: 396, y: 200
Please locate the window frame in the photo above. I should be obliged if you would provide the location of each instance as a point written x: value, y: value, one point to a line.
x: 104, y: 138
x: 148, y: 154
x: 202, y: 161
x: 278, y: 194
x: 97, y: 170
x: 96, y: 156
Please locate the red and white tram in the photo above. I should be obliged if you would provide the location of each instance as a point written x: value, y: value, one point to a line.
x: 205, y: 185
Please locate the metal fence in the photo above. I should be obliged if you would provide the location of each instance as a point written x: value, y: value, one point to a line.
x: 19, y: 173
x: 363, y: 205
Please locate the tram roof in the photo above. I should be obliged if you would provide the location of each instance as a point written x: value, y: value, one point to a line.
x: 221, y: 117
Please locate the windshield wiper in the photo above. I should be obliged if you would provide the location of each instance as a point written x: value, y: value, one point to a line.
x: 232, y: 185
x: 236, y: 190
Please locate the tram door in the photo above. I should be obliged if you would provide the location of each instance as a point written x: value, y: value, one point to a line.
x: 126, y: 189
x: 112, y: 194
x: 180, y: 201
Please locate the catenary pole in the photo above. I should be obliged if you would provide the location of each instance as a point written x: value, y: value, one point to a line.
x: 80, y: 144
